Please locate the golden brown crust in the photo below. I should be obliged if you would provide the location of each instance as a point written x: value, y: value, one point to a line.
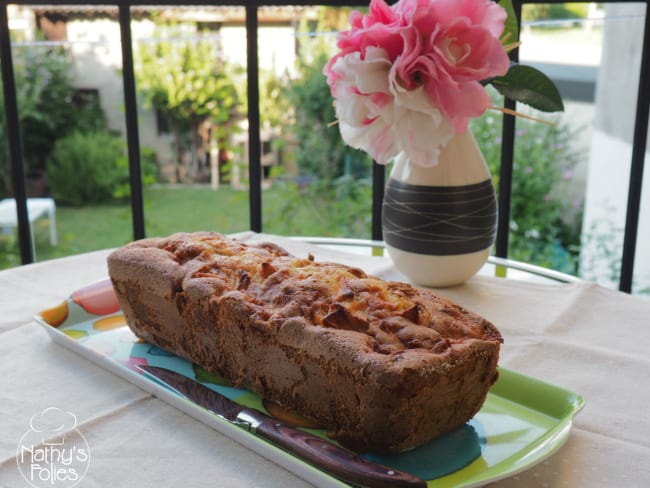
x: 383, y: 365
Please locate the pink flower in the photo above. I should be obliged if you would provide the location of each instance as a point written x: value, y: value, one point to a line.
x: 431, y: 56
x: 381, y: 27
x: 450, y: 46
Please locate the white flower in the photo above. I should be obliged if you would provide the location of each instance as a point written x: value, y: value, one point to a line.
x: 379, y: 116
x: 358, y: 81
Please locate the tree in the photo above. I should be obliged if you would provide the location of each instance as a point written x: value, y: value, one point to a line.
x: 48, y: 106
x: 321, y: 151
x: 334, y: 183
x: 191, y: 85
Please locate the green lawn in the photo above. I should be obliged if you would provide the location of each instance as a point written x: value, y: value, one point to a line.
x: 174, y: 209
x: 167, y: 210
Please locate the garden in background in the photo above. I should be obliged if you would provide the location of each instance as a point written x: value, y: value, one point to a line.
x: 323, y: 187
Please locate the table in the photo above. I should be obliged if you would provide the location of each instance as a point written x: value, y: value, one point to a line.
x: 37, y: 208
x: 577, y: 335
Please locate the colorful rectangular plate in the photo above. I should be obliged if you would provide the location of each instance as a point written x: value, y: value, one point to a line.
x: 522, y: 422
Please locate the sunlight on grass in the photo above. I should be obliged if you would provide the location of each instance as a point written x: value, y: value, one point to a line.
x: 177, y: 209
x: 167, y: 210
x: 189, y: 209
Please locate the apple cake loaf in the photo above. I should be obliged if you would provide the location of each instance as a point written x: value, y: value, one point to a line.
x: 382, y: 366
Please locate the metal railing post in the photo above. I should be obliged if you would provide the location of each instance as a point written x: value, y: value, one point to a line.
x: 254, y: 139
x: 507, y: 163
x: 639, y: 145
x: 14, y: 139
x: 378, y: 184
x: 131, y: 114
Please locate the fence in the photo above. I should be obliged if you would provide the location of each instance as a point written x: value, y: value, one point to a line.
x: 255, y: 168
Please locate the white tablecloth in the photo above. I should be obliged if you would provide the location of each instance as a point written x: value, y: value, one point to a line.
x: 580, y: 336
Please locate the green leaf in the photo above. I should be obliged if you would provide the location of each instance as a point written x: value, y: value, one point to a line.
x: 530, y: 86
x: 511, y: 29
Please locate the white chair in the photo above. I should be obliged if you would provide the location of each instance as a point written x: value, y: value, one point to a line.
x: 36, y: 208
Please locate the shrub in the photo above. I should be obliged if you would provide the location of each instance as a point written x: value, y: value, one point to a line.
x: 9, y: 255
x: 543, y: 166
x: 332, y: 190
x: 148, y: 167
x: 320, y: 151
x: 341, y: 208
x: 85, y: 168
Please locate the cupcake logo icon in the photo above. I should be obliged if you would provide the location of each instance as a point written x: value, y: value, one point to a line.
x: 53, y: 452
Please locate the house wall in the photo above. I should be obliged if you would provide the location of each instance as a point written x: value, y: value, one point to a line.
x: 97, y: 59
x: 572, y: 61
x: 96, y: 52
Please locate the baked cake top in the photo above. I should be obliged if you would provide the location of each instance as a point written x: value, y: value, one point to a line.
x: 393, y: 317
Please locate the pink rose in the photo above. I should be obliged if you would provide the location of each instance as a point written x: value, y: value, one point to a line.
x: 379, y: 28
x: 451, y: 46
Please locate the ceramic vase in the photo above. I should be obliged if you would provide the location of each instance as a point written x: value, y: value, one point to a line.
x: 439, y: 223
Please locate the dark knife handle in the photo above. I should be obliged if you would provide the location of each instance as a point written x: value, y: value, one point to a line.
x: 343, y: 464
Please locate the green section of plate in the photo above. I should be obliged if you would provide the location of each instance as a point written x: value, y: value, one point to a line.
x: 522, y: 422
x: 536, y: 394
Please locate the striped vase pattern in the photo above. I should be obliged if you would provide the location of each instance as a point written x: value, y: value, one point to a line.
x: 439, y: 223
x: 439, y: 220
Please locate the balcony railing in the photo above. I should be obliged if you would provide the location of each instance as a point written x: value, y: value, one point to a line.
x: 639, y: 143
